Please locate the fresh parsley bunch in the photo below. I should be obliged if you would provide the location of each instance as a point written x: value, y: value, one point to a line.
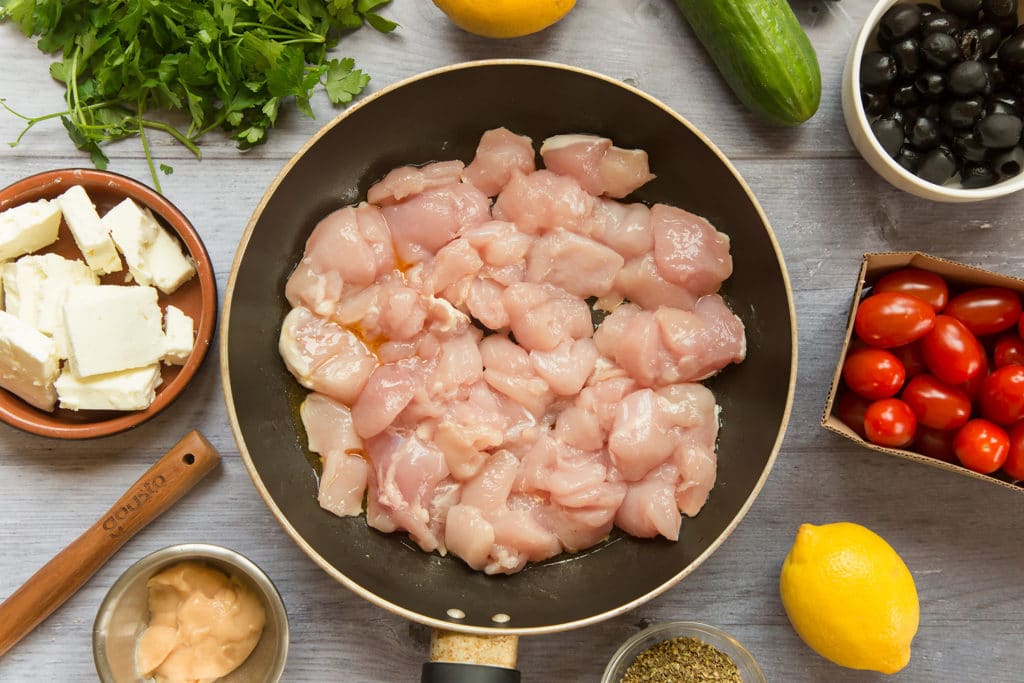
x: 227, y: 64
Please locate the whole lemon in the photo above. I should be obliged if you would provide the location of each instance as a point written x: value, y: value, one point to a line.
x: 504, y: 18
x: 850, y: 597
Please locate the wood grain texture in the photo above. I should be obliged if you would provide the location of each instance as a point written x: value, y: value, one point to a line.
x: 962, y: 539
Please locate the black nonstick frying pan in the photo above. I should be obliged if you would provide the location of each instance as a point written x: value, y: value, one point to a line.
x: 441, y: 115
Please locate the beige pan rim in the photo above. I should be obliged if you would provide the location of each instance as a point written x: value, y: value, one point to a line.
x: 333, y: 571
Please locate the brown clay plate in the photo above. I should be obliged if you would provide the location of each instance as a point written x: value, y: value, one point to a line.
x: 441, y: 115
x: 197, y: 298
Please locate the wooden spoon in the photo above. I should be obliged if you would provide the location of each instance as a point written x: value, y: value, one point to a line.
x: 159, y: 488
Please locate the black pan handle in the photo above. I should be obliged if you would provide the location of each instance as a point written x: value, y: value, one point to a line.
x: 452, y: 672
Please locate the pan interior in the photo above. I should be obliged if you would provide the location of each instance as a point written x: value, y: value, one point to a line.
x: 442, y: 117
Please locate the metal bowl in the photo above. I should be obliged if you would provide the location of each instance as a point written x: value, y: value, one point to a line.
x: 123, y: 616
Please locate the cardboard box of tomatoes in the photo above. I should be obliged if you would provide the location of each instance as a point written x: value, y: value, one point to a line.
x: 932, y: 367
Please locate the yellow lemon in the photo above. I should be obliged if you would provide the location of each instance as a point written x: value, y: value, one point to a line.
x: 850, y: 597
x: 504, y: 18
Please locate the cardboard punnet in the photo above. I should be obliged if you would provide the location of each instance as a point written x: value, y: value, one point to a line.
x: 958, y: 275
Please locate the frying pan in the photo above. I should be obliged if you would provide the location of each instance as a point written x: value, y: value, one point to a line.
x: 441, y: 115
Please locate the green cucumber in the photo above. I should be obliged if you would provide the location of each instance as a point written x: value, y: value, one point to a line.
x: 763, y: 54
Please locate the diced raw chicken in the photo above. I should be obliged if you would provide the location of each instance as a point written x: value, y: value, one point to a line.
x: 388, y: 391
x: 328, y: 425
x: 631, y: 337
x: 406, y: 181
x: 459, y: 363
x: 543, y: 316
x: 324, y: 356
x: 519, y: 538
x: 489, y: 490
x: 641, y: 283
x: 577, y: 264
x: 454, y: 261
x: 692, y: 407
x: 469, y: 536
x: 639, y: 440
x: 649, y: 507
x: 578, y: 528
x: 500, y: 154
x: 343, y: 484
x: 542, y: 201
x: 689, y: 251
x: 598, y: 166
x: 507, y: 369
x: 499, y: 243
x: 626, y: 228
x: 566, y: 367
x: 484, y: 302
x: 423, y: 223
x: 603, y: 398
x: 580, y: 429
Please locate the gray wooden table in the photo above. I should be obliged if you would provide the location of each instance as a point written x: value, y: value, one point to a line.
x: 962, y: 539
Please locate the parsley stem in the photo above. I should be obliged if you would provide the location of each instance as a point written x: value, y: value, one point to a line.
x: 173, y: 132
x: 145, y: 148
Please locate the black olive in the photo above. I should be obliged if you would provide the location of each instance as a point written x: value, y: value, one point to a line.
x: 897, y: 115
x: 927, y: 8
x: 1007, y: 99
x: 1011, y: 54
x: 974, y: 176
x: 989, y: 38
x: 905, y: 96
x: 940, y: 22
x: 967, y: 78
x: 932, y: 110
x: 967, y: 147
x: 874, y: 102
x: 999, y: 8
x: 909, y: 158
x: 925, y: 133
x: 910, y: 116
x: 1016, y: 83
x: 937, y: 166
x: 1007, y: 25
x: 900, y: 21
x: 889, y: 134
x: 940, y: 50
x: 962, y: 113
x: 997, y: 107
x: 999, y: 131
x: 877, y: 70
x: 967, y: 9
x: 996, y: 76
x: 907, y: 56
x: 931, y: 84
x: 1008, y: 162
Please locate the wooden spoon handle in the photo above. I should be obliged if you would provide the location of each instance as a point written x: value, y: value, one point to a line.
x: 161, y: 486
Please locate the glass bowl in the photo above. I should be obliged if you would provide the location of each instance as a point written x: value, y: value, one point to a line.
x: 750, y: 672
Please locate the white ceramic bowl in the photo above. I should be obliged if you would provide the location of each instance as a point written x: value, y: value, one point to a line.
x: 865, y: 142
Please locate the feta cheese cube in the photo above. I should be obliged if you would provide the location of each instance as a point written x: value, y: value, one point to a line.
x: 92, y: 238
x: 36, y: 288
x: 132, y: 389
x: 28, y: 362
x: 153, y: 255
x: 28, y: 227
x: 111, y: 328
x: 178, y: 331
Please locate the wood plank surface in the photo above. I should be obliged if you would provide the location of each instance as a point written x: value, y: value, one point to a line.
x: 962, y: 539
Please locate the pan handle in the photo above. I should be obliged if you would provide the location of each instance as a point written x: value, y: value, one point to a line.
x: 465, y: 658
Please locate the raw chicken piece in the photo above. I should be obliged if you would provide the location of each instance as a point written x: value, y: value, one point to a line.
x: 489, y: 490
x: 343, y: 484
x: 387, y: 310
x: 500, y: 155
x: 649, y: 507
x: 626, y: 228
x: 330, y: 433
x: 543, y: 316
x: 469, y: 536
x: 519, y: 538
x: 639, y: 440
x: 578, y: 528
x: 598, y: 166
x: 580, y: 429
x: 692, y: 408
x: 566, y: 367
x: 423, y: 223
x: 459, y: 363
x: 499, y: 243
x: 704, y: 341
x: 542, y: 201
x: 323, y: 356
x: 454, y: 261
x: 406, y: 181
x: 631, y: 337
x: 577, y: 264
x: 507, y: 369
x: 689, y: 251
x: 387, y: 393
x: 602, y: 399
x: 484, y: 302
x: 641, y: 283
x: 446, y: 495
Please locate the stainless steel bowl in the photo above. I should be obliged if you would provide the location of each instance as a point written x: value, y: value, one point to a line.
x: 123, y: 616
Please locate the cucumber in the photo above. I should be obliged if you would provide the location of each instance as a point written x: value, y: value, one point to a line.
x: 763, y: 54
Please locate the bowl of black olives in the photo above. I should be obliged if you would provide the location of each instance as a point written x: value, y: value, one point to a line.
x: 933, y: 96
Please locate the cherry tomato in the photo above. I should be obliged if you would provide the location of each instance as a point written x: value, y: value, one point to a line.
x: 1014, y: 465
x: 1001, y: 398
x: 873, y: 373
x: 936, y: 404
x: 986, y: 310
x: 951, y: 352
x: 912, y: 358
x: 928, y: 287
x: 981, y: 446
x: 935, y: 443
x: 850, y: 409
x: 891, y: 319
x: 1008, y: 350
x: 972, y: 387
x: 890, y: 422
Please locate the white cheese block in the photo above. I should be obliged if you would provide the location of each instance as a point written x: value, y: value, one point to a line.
x: 91, y: 236
x: 28, y: 362
x: 112, y: 328
x: 153, y: 255
x: 36, y: 288
x: 28, y: 227
x: 132, y: 389
x: 178, y: 336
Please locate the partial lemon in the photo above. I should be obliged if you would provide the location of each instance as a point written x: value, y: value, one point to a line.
x: 504, y: 18
x: 850, y: 597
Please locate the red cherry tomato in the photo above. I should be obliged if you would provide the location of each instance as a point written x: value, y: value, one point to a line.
x: 972, y: 387
x: 1008, y: 350
x: 873, y: 373
x: 891, y: 319
x: 912, y: 358
x: 981, y: 446
x: 936, y: 404
x: 1001, y: 398
x: 935, y: 443
x: 928, y: 287
x: 986, y: 310
x: 951, y: 352
x: 850, y: 409
x: 890, y: 422
x: 1014, y: 465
